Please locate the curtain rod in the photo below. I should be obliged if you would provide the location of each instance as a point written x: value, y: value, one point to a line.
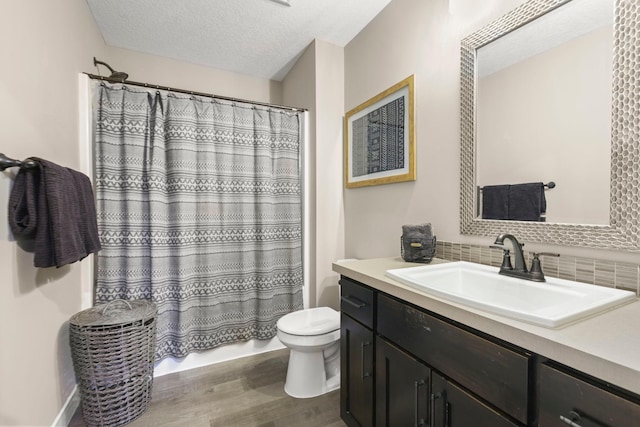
x: 191, y: 92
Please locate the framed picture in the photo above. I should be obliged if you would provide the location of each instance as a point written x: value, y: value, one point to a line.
x: 379, y: 138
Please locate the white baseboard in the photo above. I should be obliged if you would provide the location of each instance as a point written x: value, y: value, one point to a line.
x: 68, y: 409
x: 217, y: 355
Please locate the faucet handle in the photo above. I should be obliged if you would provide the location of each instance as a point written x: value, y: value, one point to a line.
x: 506, y: 257
x: 536, y: 268
x: 535, y: 255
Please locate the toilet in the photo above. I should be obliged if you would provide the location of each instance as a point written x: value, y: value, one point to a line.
x: 313, y: 337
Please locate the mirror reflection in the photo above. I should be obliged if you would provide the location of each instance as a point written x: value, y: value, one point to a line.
x: 622, y: 230
x: 543, y: 114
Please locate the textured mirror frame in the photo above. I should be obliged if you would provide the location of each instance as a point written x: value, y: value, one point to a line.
x: 623, y: 231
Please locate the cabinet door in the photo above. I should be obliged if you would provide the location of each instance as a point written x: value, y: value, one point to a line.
x: 569, y: 401
x: 356, y: 373
x: 498, y: 374
x: 402, y: 388
x: 454, y: 407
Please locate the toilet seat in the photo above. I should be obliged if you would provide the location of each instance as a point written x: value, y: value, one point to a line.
x: 310, y: 322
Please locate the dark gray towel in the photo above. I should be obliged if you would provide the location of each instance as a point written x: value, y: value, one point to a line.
x: 527, y: 202
x: 54, y: 205
x: 495, y: 202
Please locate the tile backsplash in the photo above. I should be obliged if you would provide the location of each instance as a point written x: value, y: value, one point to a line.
x: 613, y: 274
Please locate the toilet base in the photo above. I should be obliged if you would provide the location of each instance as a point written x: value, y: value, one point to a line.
x: 306, y: 375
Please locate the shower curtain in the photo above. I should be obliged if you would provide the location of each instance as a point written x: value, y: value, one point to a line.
x: 199, y: 210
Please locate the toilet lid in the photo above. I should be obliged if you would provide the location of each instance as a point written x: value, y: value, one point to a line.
x: 312, y: 321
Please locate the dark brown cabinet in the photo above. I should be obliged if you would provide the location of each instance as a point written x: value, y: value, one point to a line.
x: 455, y: 407
x: 405, y: 366
x: 357, y: 349
x: 499, y: 374
x: 566, y: 400
x: 403, y: 388
x: 356, y: 300
x: 356, y: 370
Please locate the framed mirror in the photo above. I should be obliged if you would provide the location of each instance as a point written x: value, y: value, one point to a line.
x: 612, y: 167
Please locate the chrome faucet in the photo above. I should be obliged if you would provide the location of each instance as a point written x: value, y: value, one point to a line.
x: 520, y: 268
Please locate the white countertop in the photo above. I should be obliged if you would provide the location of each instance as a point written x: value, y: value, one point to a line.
x: 606, y: 346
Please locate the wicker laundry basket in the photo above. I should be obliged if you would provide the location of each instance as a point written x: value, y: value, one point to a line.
x: 112, y: 347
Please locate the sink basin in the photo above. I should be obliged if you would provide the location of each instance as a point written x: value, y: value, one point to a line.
x: 551, y: 304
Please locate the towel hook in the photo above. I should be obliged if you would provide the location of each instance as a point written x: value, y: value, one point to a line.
x: 6, y: 162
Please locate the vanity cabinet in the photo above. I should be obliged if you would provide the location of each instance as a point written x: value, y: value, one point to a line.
x: 356, y: 354
x: 403, y: 365
x: 455, y: 407
x: 403, y: 388
x: 568, y: 400
x: 356, y: 370
x: 499, y: 374
x: 415, y: 353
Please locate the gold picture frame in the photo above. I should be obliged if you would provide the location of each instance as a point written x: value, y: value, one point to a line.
x: 379, y: 137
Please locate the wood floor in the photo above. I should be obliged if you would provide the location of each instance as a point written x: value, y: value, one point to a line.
x: 243, y: 392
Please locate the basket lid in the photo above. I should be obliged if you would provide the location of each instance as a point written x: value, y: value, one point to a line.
x: 114, y: 313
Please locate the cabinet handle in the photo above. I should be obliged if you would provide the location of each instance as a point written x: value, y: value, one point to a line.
x: 363, y: 374
x: 355, y: 302
x: 418, y: 384
x: 445, y: 407
x: 571, y: 421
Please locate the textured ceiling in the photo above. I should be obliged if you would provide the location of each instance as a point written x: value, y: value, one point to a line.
x: 260, y: 38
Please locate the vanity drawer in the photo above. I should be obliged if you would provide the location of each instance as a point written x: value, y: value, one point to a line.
x: 566, y: 399
x: 498, y: 374
x: 356, y: 300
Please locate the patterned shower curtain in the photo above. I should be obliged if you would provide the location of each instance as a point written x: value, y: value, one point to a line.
x: 199, y: 210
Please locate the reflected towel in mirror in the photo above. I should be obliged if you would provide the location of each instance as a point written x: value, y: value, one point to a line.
x: 495, y: 202
x: 527, y: 202
x: 516, y: 202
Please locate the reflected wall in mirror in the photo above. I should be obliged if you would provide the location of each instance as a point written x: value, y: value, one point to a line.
x: 524, y: 120
x: 543, y: 95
